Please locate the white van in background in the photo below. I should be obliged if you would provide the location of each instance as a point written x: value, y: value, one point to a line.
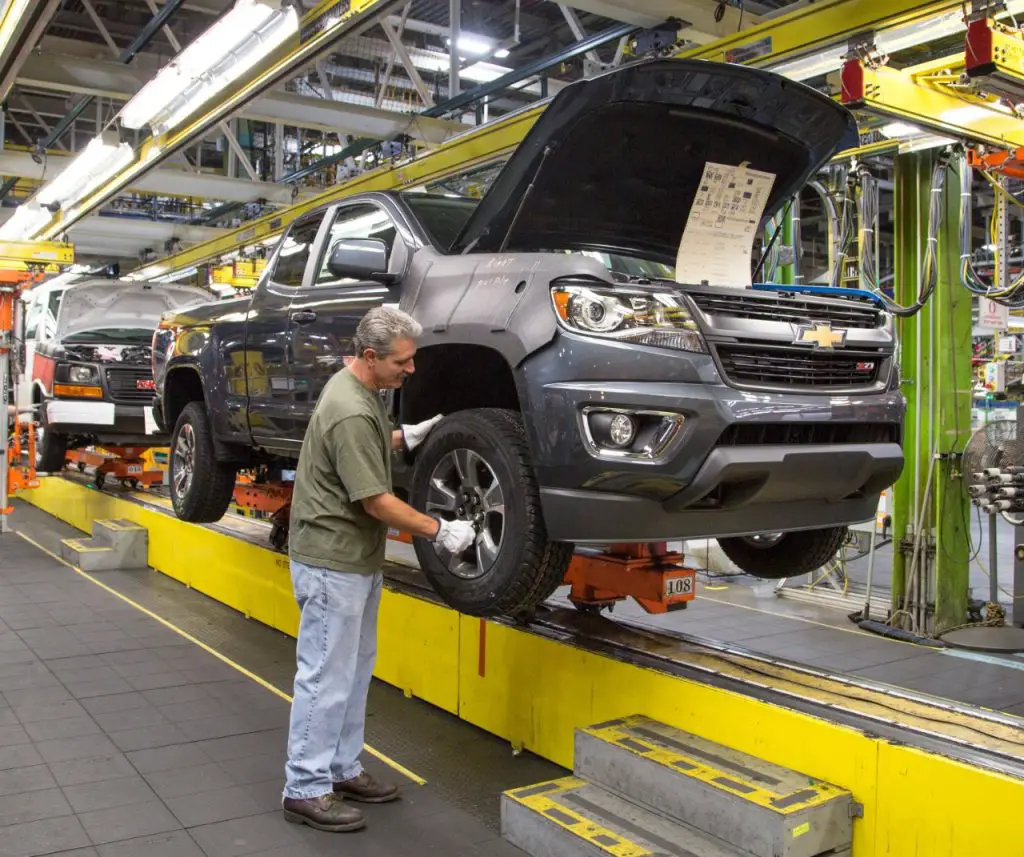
x: 41, y: 303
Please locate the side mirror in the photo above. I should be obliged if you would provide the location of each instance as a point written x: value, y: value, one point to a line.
x: 360, y: 259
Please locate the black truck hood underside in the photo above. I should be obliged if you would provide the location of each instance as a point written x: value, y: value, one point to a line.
x: 615, y: 162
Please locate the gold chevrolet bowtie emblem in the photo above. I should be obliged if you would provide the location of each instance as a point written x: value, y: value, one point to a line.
x: 821, y: 336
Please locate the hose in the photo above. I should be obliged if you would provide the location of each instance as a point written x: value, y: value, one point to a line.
x: 867, y: 205
x: 1013, y: 294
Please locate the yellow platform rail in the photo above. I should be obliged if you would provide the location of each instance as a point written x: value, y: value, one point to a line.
x: 534, y: 691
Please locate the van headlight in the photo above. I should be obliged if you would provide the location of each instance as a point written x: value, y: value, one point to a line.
x: 645, y: 318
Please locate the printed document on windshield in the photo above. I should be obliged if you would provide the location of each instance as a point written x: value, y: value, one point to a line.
x: 718, y: 240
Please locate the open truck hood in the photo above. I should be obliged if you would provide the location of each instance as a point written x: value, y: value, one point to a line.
x: 108, y: 304
x: 614, y: 162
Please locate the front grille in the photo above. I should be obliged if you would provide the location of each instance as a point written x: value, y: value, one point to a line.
x: 744, y: 305
x: 785, y: 368
x: 785, y: 434
x: 122, y: 383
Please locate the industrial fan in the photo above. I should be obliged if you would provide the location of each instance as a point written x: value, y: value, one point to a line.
x: 993, y: 465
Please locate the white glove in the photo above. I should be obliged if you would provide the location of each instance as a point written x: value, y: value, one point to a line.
x: 415, y: 435
x: 455, y: 536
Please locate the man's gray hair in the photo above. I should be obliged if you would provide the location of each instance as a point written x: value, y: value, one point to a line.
x: 381, y: 326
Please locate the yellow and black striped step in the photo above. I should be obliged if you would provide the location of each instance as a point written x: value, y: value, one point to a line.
x: 760, y: 808
x: 573, y: 818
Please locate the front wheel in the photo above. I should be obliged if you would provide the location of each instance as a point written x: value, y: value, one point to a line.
x: 51, y: 448
x: 476, y: 466
x: 201, y: 486
x: 779, y: 555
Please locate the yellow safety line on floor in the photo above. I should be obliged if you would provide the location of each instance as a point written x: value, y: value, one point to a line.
x: 391, y: 763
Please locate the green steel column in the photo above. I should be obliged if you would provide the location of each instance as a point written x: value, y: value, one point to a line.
x: 936, y: 382
x: 908, y: 229
x: 952, y: 368
x: 787, y: 273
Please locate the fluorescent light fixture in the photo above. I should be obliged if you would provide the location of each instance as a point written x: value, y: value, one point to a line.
x: 483, y: 72
x: 12, y: 13
x: 973, y: 112
x: 26, y: 221
x: 900, y: 129
x: 501, y: 54
x: 252, y: 30
x: 471, y: 44
x: 97, y: 162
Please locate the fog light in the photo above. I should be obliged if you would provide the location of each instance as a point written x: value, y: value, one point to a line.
x: 622, y: 430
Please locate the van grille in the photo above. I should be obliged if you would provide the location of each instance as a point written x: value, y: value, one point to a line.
x: 846, y: 313
x: 123, y: 384
x: 785, y: 368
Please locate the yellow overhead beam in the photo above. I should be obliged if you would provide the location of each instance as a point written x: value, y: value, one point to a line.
x: 794, y: 35
x: 916, y: 95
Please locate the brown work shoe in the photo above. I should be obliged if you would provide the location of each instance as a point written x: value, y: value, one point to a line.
x: 366, y: 789
x: 327, y: 812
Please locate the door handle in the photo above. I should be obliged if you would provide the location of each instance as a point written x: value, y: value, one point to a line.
x: 304, y: 316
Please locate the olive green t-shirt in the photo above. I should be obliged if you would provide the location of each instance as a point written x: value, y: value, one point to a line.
x: 345, y: 458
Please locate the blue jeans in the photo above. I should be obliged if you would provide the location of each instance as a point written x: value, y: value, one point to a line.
x: 335, y: 654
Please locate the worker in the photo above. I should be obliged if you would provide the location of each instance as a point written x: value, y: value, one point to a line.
x: 342, y: 506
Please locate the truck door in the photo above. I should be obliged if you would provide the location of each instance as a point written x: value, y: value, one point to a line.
x: 326, y: 312
x: 266, y: 357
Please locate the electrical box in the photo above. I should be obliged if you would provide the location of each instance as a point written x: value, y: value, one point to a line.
x: 995, y: 377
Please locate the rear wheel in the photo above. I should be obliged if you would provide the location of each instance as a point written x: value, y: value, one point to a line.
x: 779, y: 555
x: 201, y: 486
x: 476, y: 466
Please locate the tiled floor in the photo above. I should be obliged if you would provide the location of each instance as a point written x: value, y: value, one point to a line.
x: 118, y: 737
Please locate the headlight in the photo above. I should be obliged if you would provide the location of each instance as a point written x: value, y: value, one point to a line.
x: 81, y: 374
x: 646, y: 318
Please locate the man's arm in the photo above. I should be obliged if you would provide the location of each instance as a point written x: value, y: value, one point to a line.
x: 361, y: 467
x: 388, y: 509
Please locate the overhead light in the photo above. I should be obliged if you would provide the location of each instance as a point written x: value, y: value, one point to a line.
x: 501, y: 54
x: 900, y: 129
x: 972, y: 113
x: 252, y: 30
x: 27, y: 220
x: 483, y: 72
x: 473, y: 44
x: 104, y: 157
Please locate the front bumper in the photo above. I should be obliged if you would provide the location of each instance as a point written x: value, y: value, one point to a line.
x: 733, y: 471
x: 106, y: 422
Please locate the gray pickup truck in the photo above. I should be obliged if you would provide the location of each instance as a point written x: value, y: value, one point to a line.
x: 589, y: 397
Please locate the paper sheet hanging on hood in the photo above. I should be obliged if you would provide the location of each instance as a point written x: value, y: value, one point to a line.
x: 718, y: 239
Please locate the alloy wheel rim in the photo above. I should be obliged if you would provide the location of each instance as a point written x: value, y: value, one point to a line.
x: 184, y: 461
x: 464, y: 487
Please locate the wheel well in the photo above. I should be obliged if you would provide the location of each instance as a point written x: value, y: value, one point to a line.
x: 451, y: 378
x: 181, y: 387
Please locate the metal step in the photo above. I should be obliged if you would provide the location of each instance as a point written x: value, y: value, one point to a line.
x: 759, y: 808
x: 573, y: 818
x: 115, y: 545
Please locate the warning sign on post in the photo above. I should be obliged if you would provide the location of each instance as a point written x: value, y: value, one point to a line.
x: 992, y: 317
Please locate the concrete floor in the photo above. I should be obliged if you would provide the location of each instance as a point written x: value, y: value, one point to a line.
x: 121, y: 738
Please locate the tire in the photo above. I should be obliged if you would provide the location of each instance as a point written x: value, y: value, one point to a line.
x: 51, y: 453
x: 202, y: 493
x: 522, y: 568
x: 787, y: 555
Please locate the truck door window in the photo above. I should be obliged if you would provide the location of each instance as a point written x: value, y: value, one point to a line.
x: 356, y: 221
x: 291, y: 261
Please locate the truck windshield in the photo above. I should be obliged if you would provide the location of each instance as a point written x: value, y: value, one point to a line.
x: 630, y: 266
x: 442, y: 216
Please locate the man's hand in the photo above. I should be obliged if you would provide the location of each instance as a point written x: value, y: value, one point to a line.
x: 414, y: 435
x: 455, y: 536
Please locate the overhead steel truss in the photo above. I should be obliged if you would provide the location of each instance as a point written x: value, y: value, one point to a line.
x: 820, y: 34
